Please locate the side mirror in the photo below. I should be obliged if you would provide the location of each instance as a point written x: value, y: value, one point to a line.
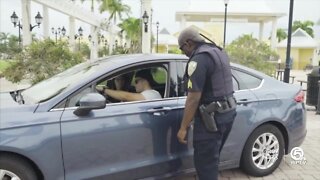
x: 89, y: 102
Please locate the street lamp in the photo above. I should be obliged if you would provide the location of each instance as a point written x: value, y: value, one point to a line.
x: 116, y: 43
x: 79, y: 35
x: 287, y: 68
x: 157, y: 36
x: 225, y: 21
x: 16, y: 22
x: 100, y: 39
x: 60, y: 31
x: 145, y: 18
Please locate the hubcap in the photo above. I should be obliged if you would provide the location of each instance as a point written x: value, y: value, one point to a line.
x: 265, y: 151
x: 8, y: 175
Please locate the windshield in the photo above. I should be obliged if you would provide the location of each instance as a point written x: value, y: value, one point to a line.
x: 53, y: 86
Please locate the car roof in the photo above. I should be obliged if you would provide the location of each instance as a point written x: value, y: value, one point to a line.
x: 121, y: 60
x: 140, y: 57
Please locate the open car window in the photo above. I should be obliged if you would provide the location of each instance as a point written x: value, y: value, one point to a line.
x: 159, y: 74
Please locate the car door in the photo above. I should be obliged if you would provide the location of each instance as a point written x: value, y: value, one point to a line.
x: 127, y: 140
x: 247, y: 102
x: 187, y: 155
x: 246, y: 111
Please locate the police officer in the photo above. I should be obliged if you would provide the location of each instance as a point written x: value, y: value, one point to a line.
x: 209, y: 83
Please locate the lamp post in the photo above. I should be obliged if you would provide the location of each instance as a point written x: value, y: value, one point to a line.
x: 16, y: 22
x: 79, y: 35
x: 145, y: 18
x: 100, y: 39
x: 287, y: 68
x: 225, y: 22
x: 157, y: 36
x: 116, y: 43
x: 59, y: 31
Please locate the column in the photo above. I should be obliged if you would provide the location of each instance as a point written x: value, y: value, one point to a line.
x: 274, y: 34
x: 183, y: 23
x: 111, y: 37
x: 94, y: 44
x: 26, y: 33
x: 315, y: 58
x: 45, y: 22
x: 261, y: 27
x: 72, y: 33
x: 146, y: 36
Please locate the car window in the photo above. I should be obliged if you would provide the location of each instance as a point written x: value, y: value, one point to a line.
x: 159, y: 75
x: 246, y: 80
x: 181, y: 81
x: 235, y: 84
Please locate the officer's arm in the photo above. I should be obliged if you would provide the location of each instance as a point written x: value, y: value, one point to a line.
x: 191, y: 106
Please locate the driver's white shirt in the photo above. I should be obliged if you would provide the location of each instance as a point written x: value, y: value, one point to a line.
x: 151, y: 94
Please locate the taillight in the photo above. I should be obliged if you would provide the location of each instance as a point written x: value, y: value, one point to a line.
x: 299, y: 97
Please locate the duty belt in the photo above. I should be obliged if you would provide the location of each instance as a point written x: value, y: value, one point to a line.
x: 222, y: 106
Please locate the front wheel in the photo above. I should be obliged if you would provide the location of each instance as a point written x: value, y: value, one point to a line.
x: 263, y: 151
x: 15, y: 168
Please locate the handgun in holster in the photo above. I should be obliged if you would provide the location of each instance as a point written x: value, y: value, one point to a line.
x: 207, y: 112
x: 208, y: 119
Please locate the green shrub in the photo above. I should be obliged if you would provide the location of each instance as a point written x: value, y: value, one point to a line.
x: 41, y: 60
x: 252, y: 53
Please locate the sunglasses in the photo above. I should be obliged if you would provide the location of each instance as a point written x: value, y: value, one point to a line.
x: 181, y: 47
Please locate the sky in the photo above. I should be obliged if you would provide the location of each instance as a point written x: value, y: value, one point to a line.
x: 164, y: 12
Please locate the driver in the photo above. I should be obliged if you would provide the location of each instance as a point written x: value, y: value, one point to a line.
x: 143, y: 85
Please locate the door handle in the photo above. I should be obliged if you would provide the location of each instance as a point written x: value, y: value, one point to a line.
x: 159, y: 111
x: 244, y: 101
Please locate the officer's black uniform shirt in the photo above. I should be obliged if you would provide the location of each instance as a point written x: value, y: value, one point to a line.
x: 198, y: 71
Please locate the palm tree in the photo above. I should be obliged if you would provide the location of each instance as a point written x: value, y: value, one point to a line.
x: 92, y: 4
x: 115, y: 8
x: 4, y: 37
x: 132, y: 28
x: 304, y: 25
x: 281, y: 34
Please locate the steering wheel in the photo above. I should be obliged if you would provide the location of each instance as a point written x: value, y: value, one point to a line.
x: 103, y: 94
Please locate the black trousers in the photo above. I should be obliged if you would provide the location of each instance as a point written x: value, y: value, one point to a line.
x: 207, y: 151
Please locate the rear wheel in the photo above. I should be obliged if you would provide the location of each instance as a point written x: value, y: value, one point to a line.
x: 263, y: 151
x: 15, y: 168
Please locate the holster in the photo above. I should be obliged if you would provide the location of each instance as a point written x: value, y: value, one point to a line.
x: 208, y: 119
x: 207, y: 112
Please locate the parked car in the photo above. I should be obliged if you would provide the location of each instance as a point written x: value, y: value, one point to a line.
x: 62, y: 128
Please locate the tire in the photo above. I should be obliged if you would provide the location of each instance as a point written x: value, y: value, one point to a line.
x: 263, y: 151
x: 15, y: 167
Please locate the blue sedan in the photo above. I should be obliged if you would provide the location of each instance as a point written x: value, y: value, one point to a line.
x: 62, y: 128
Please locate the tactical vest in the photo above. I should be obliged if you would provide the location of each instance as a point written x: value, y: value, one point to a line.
x: 221, y: 78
